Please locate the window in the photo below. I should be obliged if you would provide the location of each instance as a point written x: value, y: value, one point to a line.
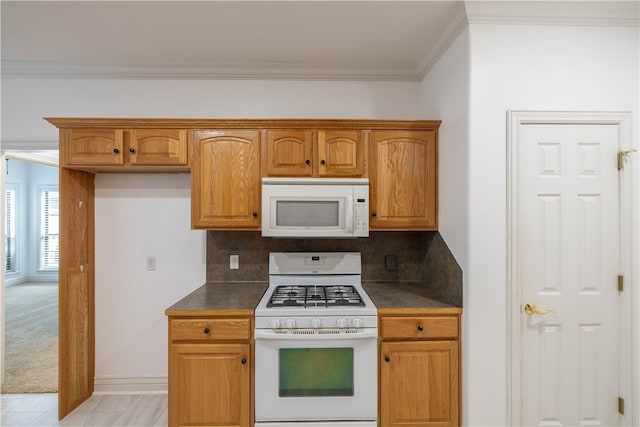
x: 10, y: 262
x: 49, y: 229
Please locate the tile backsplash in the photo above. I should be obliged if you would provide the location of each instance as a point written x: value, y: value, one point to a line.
x: 421, y: 256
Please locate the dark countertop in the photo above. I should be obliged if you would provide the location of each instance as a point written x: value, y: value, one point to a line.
x: 241, y: 298
x: 394, y: 296
x: 229, y: 298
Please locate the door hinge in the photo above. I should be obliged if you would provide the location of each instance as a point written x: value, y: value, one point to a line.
x: 620, y: 283
x: 622, y: 155
x: 621, y: 405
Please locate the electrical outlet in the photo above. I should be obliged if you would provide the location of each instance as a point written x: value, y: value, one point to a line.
x: 151, y: 263
x: 391, y: 262
x: 234, y: 262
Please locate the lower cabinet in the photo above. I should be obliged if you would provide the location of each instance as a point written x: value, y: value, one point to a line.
x: 209, y: 373
x: 419, y: 371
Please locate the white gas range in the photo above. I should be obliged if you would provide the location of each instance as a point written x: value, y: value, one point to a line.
x: 316, y: 343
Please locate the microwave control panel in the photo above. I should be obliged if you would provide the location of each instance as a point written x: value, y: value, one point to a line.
x: 361, y: 211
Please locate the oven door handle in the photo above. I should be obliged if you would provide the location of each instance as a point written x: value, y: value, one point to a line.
x: 269, y: 335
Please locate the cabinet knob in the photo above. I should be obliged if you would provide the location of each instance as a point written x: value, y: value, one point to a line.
x: 243, y: 361
x: 255, y: 213
x: 420, y: 328
x: 323, y: 162
x: 132, y: 150
x: 206, y: 330
x: 387, y: 359
x: 374, y: 214
x: 116, y: 150
x: 308, y: 161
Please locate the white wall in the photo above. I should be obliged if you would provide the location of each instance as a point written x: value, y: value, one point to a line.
x: 26, y: 101
x: 445, y: 96
x: 522, y: 68
x: 137, y: 216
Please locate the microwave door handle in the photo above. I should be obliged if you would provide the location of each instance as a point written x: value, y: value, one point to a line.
x: 350, y: 220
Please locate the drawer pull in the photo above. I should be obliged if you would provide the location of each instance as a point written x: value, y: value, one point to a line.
x: 387, y: 359
x: 206, y: 330
x: 243, y: 361
x: 116, y: 151
x: 420, y: 328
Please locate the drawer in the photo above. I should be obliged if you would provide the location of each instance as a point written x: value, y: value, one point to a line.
x: 419, y: 327
x: 210, y: 329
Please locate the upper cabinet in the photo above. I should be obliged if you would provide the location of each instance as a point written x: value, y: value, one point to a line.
x: 109, y: 149
x: 86, y: 147
x: 319, y: 153
x: 403, y: 174
x: 227, y: 159
x: 164, y: 147
x: 225, y: 179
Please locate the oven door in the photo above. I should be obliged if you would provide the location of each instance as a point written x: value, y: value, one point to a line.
x: 310, y: 376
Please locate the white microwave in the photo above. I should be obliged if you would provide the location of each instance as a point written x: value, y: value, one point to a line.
x: 315, y: 207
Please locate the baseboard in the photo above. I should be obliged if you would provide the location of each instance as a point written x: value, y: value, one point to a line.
x: 130, y: 385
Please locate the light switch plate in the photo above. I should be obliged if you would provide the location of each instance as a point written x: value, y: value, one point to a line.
x: 234, y: 262
x: 151, y: 263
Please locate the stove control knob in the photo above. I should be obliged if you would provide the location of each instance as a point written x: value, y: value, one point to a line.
x: 342, y: 323
x: 291, y: 323
x: 358, y: 323
x: 275, y: 323
x: 316, y: 323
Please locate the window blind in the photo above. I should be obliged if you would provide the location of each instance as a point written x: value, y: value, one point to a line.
x: 49, y: 229
x: 10, y: 229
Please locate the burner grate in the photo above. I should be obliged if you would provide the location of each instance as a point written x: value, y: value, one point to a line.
x: 315, y: 296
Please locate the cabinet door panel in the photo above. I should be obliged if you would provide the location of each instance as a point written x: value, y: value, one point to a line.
x: 157, y: 147
x: 288, y: 153
x: 225, y: 179
x: 209, y: 385
x: 93, y: 147
x: 419, y: 383
x: 403, y: 180
x: 340, y: 153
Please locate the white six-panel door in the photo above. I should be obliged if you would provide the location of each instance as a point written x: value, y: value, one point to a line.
x: 568, y: 224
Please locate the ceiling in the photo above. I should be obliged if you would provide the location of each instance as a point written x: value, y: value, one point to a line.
x: 363, y: 40
x: 378, y: 38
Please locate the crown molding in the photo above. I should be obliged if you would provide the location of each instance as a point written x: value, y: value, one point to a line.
x: 246, y: 71
x: 567, y: 13
x: 457, y: 24
x: 562, y: 13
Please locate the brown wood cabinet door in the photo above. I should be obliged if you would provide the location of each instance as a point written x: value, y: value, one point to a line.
x: 161, y: 147
x: 288, y: 153
x: 76, y: 318
x: 340, y: 153
x: 225, y: 179
x: 419, y: 384
x: 403, y: 187
x: 210, y: 385
x: 92, y: 147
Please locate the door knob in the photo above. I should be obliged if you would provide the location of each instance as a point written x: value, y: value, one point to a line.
x: 532, y: 309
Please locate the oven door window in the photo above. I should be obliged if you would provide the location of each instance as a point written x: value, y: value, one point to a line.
x: 312, y: 372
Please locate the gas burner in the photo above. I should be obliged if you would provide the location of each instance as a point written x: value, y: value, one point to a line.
x: 315, y: 296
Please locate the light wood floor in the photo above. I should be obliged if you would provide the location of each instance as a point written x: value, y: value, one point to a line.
x: 143, y: 410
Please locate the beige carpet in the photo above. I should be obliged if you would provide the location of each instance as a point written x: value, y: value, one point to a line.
x: 31, y: 334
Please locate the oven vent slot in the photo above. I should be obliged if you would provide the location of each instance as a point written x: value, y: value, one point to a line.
x: 328, y: 331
